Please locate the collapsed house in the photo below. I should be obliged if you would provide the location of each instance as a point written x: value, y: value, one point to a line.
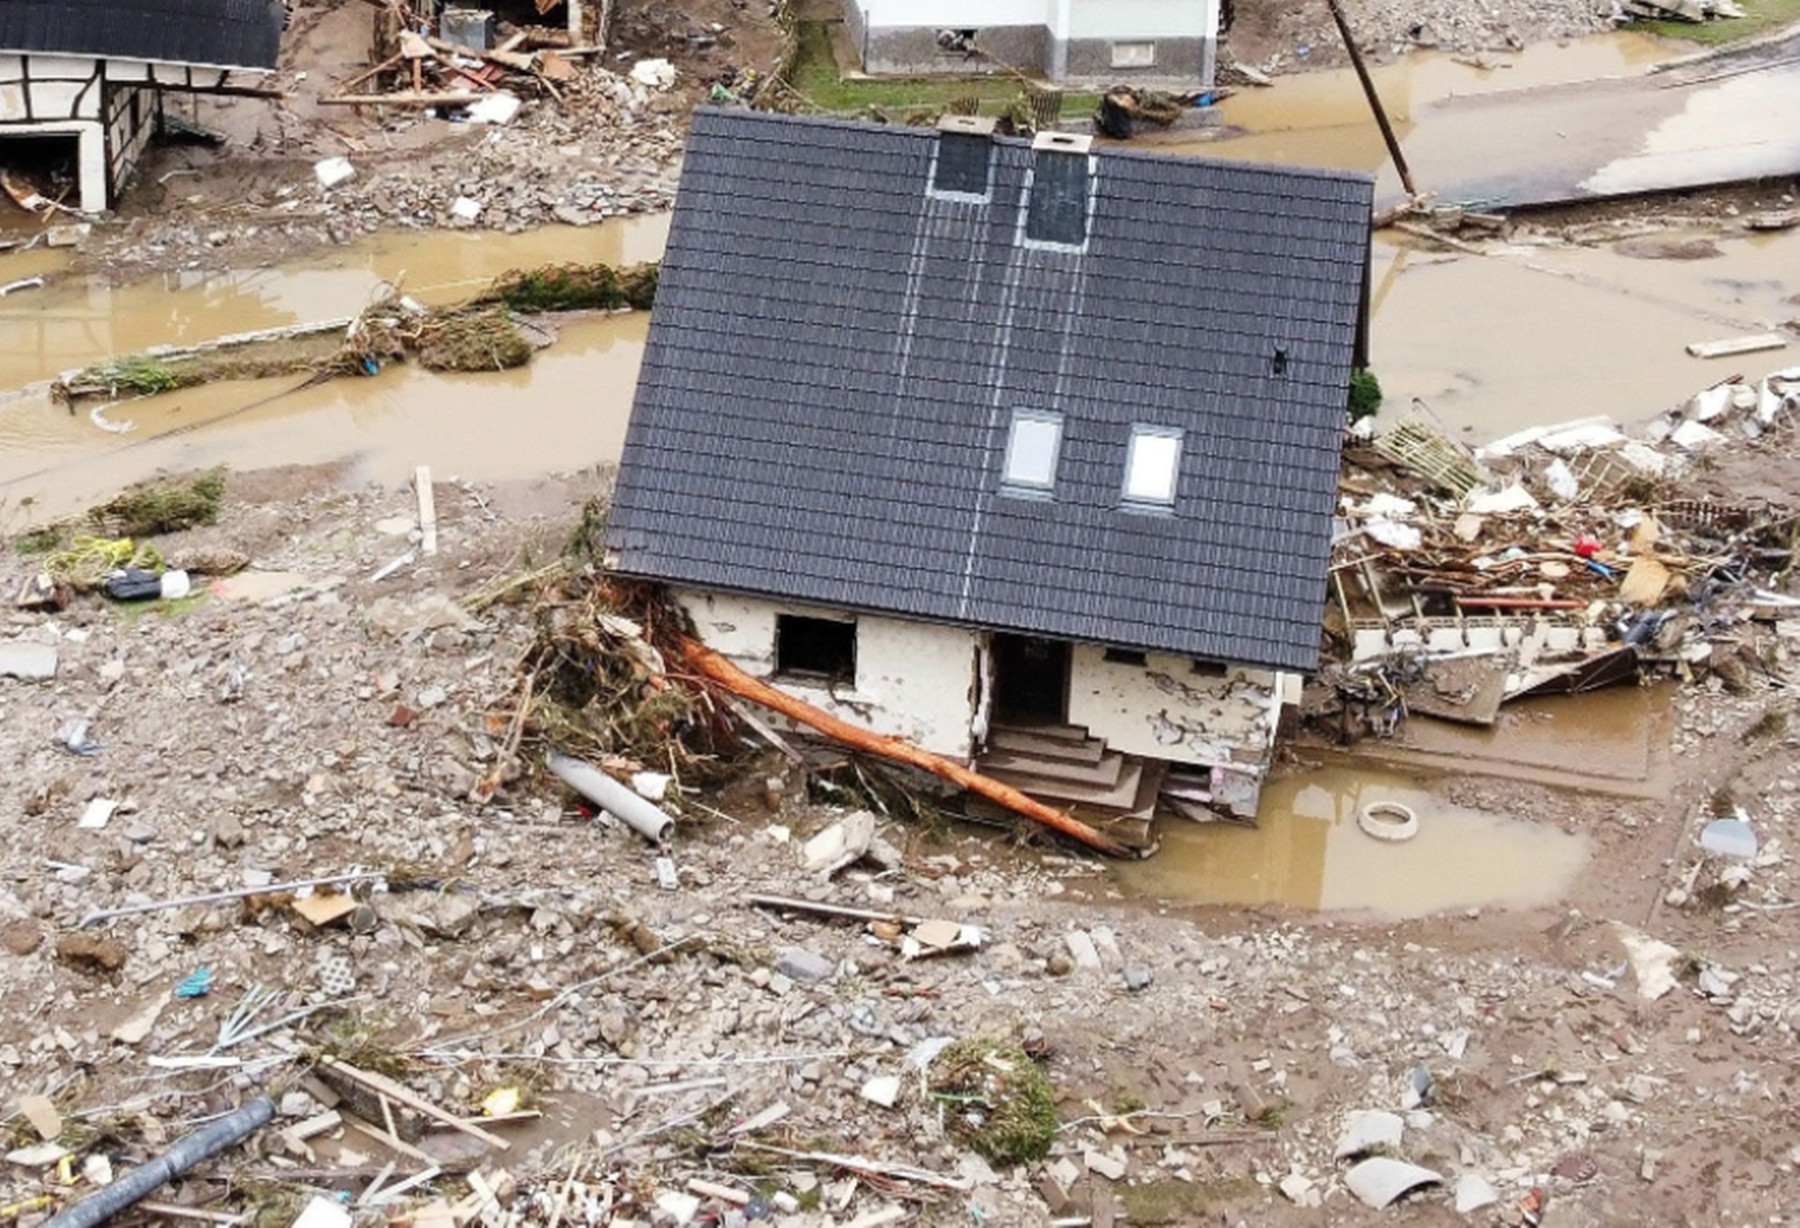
x: 82, y: 82
x: 1019, y: 450
x: 1060, y: 39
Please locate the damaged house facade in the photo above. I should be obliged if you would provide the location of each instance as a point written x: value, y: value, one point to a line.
x: 1060, y: 39
x: 1020, y: 450
x: 82, y: 81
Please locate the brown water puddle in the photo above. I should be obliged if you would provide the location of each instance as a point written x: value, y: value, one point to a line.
x: 1308, y: 852
x: 1320, y: 118
x: 565, y: 411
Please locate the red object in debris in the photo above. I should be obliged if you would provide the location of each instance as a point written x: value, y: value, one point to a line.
x: 1587, y: 547
x: 403, y: 717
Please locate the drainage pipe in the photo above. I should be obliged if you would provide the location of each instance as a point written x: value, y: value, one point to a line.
x: 645, y: 818
x: 145, y: 1179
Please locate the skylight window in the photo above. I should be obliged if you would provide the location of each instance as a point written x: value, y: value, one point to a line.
x: 1153, y: 465
x: 1057, y: 211
x: 962, y: 164
x: 1032, y: 448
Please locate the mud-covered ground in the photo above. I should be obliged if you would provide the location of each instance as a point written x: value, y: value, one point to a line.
x: 1203, y: 1060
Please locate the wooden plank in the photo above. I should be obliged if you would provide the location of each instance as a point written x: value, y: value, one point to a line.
x: 427, y: 509
x: 401, y: 100
x: 384, y: 1086
x: 1736, y: 345
x: 390, y: 1142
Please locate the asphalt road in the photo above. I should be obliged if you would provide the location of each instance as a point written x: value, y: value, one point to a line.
x: 1727, y: 119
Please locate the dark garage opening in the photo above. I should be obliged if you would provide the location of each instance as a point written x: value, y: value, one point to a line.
x: 815, y: 648
x: 47, y: 165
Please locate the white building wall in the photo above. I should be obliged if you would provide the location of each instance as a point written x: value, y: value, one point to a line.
x: 914, y: 680
x: 1163, y: 710
x: 1129, y: 19
x: 949, y: 14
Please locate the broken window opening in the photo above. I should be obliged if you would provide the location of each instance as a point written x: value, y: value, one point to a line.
x: 815, y: 648
x: 1134, y: 55
x: 1033, y: 447
x: 1153, y: 465
x: 1127, y: 656
x: 1058, y: 210
x: 1210, y: 669
x: 958, y: 42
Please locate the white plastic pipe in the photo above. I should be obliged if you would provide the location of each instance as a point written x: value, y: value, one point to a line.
x: 645, y: 818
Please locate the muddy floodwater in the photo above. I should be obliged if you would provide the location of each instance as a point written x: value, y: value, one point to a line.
x: 1489, y: 343
x: 1308, y: 851
x: 566, y: 410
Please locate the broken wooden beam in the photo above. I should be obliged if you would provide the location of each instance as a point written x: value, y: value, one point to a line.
x: 1736, y: 345
x: 386, y: 1087
x: 712, y: 665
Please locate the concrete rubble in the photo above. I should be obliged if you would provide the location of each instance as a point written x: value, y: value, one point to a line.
x: 1192, y: 1062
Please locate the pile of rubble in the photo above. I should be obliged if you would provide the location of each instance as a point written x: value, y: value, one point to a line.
x: 1558, y: 559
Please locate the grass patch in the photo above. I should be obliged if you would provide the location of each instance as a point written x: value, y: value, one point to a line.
x: 150, y: 508
x: 1760, y: 17
x: 35, y: 542
x: 1171, y: 1201
x: 575, y: 287
x: 998, y: 1101
x: 816, y: 78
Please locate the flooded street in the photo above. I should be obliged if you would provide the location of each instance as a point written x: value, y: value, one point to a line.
x: 566, y: 410
x: 1307, y: 851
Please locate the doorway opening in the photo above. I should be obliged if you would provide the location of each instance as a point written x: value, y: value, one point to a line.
x: 1031, y: 679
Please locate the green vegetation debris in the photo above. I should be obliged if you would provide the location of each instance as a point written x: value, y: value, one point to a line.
x: 478, y: 341
x: 997, y: 1100
x: 150, y: 508
x: 1365, y: 394
x: 139, y: 374
x: 575, y: 287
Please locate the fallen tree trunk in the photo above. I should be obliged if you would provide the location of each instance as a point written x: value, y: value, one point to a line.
x: 715, y: 667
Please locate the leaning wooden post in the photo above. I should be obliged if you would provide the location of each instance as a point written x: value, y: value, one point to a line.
x: 711, y: 665
x: 1368, y: 84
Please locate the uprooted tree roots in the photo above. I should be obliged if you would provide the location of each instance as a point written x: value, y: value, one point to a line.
x: 595, y: 681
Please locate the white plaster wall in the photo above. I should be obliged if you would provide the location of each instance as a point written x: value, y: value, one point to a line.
x: 913, y: 680
x: 1163, y: 710
x: 1124, y: 20
x: 949, y: 14
x: 70, y: 67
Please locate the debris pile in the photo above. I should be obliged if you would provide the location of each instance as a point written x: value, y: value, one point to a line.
x: 1557, y: 559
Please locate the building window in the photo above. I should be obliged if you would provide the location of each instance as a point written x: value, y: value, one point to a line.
x: 1209, y: 669
x: 1153, y: 465
x: 962, y: 164
x: 1032, y: 449
x: 1127, y: 656
x: 1058, y: 209
x: 1134, y: 55
x: 815, y: 648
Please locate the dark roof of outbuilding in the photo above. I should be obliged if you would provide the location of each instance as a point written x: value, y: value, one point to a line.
x: 221, y: 33
x: 835, y: 353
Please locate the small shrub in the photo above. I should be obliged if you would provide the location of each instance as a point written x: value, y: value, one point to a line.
x: 1365, y: 394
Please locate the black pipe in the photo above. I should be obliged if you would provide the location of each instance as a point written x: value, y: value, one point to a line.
x: 145, y: 1179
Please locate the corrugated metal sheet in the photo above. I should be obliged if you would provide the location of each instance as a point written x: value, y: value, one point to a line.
x: 835, y: 355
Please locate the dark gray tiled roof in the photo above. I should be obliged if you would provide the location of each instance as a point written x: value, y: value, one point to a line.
x: 222, y: 33
x: 835, y: 355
